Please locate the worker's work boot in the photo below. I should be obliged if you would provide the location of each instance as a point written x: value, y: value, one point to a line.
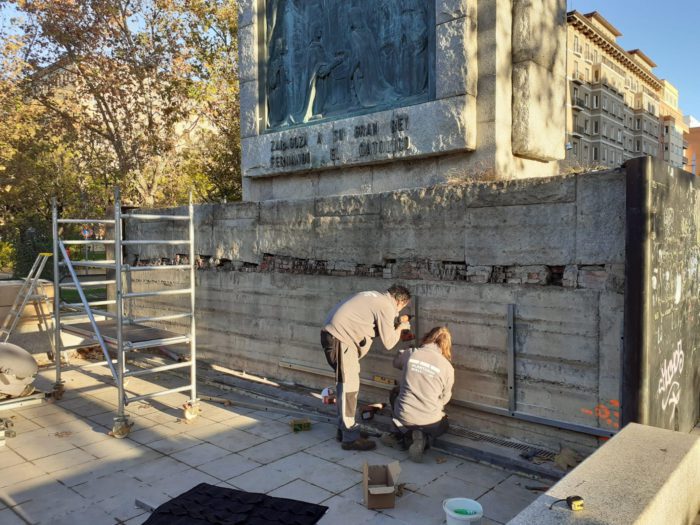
x: 339, y: 435
x: 390, y: 439
x: 415, y: 451
x: 359, y: 444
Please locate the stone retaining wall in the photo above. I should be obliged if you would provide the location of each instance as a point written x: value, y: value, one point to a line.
x: 554, y: 248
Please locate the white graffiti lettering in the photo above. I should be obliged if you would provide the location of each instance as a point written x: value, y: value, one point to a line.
x: 669, y: 388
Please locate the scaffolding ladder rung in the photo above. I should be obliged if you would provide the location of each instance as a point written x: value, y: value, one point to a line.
x: 158, y: 394
x: 135, y: 295
x: 154, y: 241
x: 138, y: 345
x: 71, y: 286
x: 91, y: 304
x: 87, y: 241
x: 157, y: 369
x: 129, y: 268
x: 85, y: 221
x: 155, y: 217
x: 91, y: 264
x: 138, y: 320
x: 103, y: 313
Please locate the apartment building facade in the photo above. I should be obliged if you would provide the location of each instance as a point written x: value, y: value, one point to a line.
x: 672, y: 145
x: 613, y: 100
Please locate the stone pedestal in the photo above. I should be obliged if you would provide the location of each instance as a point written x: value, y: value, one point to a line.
x: 483, y: 98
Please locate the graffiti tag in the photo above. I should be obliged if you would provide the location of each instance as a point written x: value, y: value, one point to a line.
x: 669, y: 388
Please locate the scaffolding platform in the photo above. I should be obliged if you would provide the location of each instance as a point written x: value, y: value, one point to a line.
x: 133, y: 335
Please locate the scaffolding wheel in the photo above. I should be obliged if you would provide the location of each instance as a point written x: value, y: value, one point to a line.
x: 121, y: 428
x: 191, y: 410
x: 58, y: 391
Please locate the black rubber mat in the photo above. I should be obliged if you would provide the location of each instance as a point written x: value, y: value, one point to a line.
x: 209, y: 505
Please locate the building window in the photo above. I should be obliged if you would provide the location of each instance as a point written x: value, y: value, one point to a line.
x: 595, y: 152
x: 576, y: 148
x: 585, y: 126
x: 596, y: 76
x: 575, y: 94
x: 637, y: 146
x: 666, y: 129
x: 585, y: 152
x: 585, y: 99
x: 588, y: 74
x: 595, y: 127
x: 638, y: 124
x: 619, y: 136
x: 605, y: 154
x: 595, y: 101
x: 605, y: 103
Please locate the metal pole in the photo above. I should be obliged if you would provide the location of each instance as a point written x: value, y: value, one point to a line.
x: 120, y: 422
x: 58, y: 385
x: 193, y: 338
x: 510, y: 321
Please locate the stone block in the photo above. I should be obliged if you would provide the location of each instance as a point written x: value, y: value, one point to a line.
x: 286, y: 228
x: 420, y: 130
x: 248, y: 53
x: 247, y: 12
x: 456, y: 62
x: 447, y: 10
x: 346, y: 182
x: 600, y: 218
x: 521, y: 235
x: 570, y: 278
x: 369, y: 204
x: 616, y: 278
x: 528, y: 274
x: 235, y: 210
x: 611, y: 328
x: 420, y: 223
x: 295, y: 186
x: 642, y: 475
x: 348, y: 238
x: 441, y: 126
x: 236, y: 240
x: 402, y: 175
x: 521, y: 192
x: 531, y: 20
x: 539, y: 114
x: 479, y: 274
x: 249, y: 108
x: 257, y: 190
x: 593, y: 277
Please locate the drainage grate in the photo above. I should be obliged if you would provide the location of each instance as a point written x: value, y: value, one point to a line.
x: 476, y: 436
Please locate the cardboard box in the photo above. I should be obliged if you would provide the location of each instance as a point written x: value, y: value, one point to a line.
x: 379, y: 484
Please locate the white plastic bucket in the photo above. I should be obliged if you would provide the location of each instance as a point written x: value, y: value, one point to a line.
x: 452, y: 506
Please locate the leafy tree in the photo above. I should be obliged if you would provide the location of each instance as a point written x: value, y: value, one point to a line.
x: 96, y: 93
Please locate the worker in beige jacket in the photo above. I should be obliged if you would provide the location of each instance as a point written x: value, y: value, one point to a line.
x: 346, y: 338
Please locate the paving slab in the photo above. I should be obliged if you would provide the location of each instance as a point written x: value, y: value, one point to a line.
x: 64, y: 468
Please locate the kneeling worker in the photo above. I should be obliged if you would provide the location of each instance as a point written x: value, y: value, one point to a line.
x: 426, y: 387
x: 347, y: 337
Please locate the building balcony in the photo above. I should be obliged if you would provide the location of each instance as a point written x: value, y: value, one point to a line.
x: 579, y: 132
x: 685, y: 161
x: 578, y: 78
x: 578, y: 104
x: 685, y: 144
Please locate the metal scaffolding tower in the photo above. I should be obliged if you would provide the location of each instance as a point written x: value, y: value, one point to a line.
x: 119, y: 332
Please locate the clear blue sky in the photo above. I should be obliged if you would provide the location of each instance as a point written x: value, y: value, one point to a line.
x: 668, y: 31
